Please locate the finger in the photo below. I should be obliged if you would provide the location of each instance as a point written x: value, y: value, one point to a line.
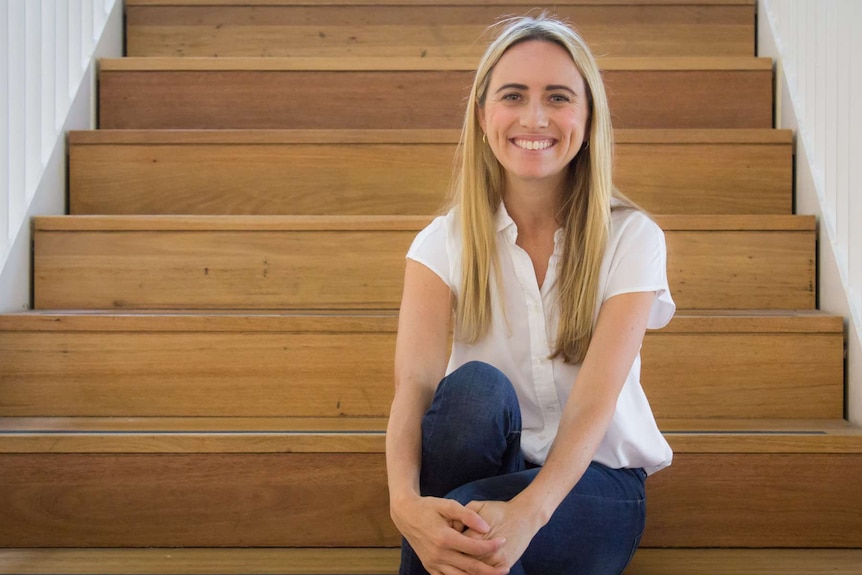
x: 468, y: 517
x: 473, y: 546
x: 473, y: 566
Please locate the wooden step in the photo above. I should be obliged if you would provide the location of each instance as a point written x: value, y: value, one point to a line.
x: 283, y: 262
x: 419, y: 93
x: 425, y: 28
x: 365, y: 561
x: 717, y: 365
x: 398, y: 172
x: 223, y: 482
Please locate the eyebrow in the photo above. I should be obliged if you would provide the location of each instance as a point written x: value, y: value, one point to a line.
x: 549, y: 88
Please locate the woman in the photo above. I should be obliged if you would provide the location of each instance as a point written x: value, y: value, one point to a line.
x: 527, y: 452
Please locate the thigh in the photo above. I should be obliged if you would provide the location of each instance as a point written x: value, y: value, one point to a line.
x: 594, y: 531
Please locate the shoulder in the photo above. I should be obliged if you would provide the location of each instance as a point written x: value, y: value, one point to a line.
x: 632, y: 230
x: 432, y: 246
x: 626, y: 222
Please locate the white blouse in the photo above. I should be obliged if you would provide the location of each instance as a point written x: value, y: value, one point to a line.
x: 524, y: 329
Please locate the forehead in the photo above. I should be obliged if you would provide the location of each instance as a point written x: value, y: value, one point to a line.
x: 537, y: 63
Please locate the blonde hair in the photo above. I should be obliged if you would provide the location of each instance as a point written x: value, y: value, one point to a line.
x: 586, y: 205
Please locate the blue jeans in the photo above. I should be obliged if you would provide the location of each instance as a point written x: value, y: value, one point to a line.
x: 471, y: 451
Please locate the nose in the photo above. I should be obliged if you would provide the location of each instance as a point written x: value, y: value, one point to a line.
x: 534, y: 115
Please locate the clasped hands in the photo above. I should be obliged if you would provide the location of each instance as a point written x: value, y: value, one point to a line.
x: 481, y: 538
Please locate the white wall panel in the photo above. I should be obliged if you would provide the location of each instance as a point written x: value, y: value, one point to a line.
x: 4, y: 128
x: 46, y: 51
x: 818, y: 47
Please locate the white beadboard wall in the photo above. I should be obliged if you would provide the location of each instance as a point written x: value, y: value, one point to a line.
x: 817, y: 47
x: 48, y: 50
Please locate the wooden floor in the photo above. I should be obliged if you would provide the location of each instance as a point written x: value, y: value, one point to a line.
x: 385, y: 562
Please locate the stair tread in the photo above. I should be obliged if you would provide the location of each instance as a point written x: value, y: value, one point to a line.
x: 404, y: 63
x: 344, y: 137
x: 366, y: 561
x: 389, y: 223
x: 757, y: 321
x: 366, y: 435
x: 376, y: 424
x: 422, y: 2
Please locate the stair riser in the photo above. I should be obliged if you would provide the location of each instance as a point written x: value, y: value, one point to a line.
x: 415, y: 99
x: 293, y: 500
x: 199, y: 373
x: 733, y: 500
x: 347, y: 31
x: 389, y: 179
x: 296, y: 269
x: 756, y: 500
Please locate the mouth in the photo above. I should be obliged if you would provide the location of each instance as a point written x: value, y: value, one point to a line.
x: 533, y: 145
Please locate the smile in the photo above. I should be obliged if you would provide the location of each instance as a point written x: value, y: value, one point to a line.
x: 533, y: 144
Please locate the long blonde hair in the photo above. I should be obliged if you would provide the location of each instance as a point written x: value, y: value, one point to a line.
x: 586, y: 206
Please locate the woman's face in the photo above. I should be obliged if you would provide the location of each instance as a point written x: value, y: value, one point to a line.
x: 535, y: 112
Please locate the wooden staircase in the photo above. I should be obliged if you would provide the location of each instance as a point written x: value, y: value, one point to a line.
x: 203, y: 384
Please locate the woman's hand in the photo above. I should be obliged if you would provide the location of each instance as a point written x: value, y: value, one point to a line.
x: 509, y: 522
x: 435, y: 530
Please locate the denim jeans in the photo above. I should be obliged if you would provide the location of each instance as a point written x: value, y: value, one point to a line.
x: 471, y: 451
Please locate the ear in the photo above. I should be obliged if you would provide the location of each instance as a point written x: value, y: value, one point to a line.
x: 480, y: 116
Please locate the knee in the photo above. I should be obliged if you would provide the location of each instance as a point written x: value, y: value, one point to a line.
x: 476, y: 381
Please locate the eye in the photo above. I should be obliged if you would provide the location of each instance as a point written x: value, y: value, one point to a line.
x: 560, y: 99
x: 511, y: 97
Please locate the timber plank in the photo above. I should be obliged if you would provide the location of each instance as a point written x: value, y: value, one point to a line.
x: 229, y: 500
x: 422, y: 93
x: 247, y: 435
x: 409, y: 29
x: 397, y: 172
x: 244, y: 262
x: 167, y: 497
x: 422, y: 2
x: 365, y: 561
x: 784, y: 365
x: 173, y: 561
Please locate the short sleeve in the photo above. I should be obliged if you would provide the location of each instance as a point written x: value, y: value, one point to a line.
x: 638, y: 262
x: 429, y: 249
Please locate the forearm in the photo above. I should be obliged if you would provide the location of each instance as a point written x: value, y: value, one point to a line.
x: 404, y: 447
x: 578, y: 437
x: 592, y: 402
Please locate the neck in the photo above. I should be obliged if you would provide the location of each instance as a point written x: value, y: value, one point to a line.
x: 532, y: 206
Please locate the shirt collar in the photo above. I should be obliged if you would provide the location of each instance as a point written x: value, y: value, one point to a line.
x: 505, y: 222
x: 503, y: 219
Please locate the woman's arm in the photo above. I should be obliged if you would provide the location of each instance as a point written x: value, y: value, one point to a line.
x: 432, y: 526
x: 615, y: 343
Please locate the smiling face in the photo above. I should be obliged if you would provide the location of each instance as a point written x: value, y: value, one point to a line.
x: 535, y: 113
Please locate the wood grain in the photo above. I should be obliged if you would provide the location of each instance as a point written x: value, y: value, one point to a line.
x: 249, y: 435
x: 365, y: 561
x: 229, y: 500
x: 764, y: 500
x: 265, y: 365
x: 285, y: 94
x: 216, y: 500
x: 374, y: 172
x: 426, y: 2
x: 244, y: 263
x: 409, y: 29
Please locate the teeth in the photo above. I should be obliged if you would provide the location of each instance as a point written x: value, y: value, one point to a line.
x: 533, y: 145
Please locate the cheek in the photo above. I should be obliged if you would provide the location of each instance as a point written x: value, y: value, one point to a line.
x: 497, y: 119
